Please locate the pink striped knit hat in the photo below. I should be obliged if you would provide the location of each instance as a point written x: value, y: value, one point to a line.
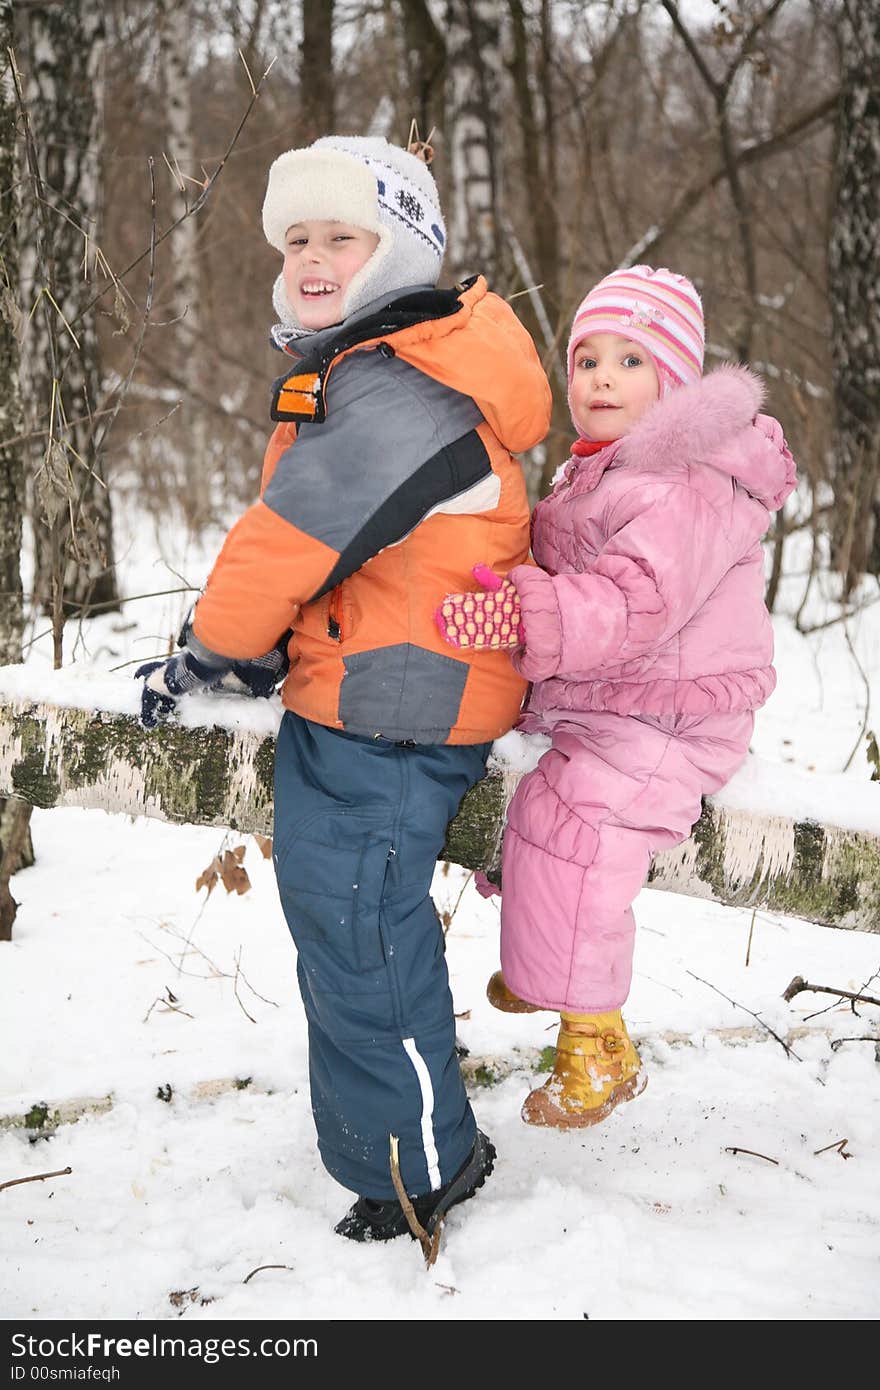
x: 658, y: 310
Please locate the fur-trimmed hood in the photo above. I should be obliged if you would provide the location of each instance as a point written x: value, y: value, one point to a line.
x: 716, y: 421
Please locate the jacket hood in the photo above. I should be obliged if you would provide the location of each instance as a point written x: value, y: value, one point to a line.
x: 484, y: 352
x: 466, y: 338
x: 716, y: 421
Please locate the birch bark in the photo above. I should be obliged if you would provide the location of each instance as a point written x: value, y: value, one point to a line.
x: 61, y: 55
x: 190, y: 432
x: 854, y: 286
x: 473, y: 97
x: 59, y: 756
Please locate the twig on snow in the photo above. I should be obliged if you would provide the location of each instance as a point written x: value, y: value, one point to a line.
x: 751, y: 929
x: 789, y: 1051
x: 235, y: 987
x: 260, y: 1267
x: 36, y: 1177
x: 839, y: 1145
x: 754, y: 1153
x: 430, y: 1244
x: 169, y: 1005
x: 799, y: 984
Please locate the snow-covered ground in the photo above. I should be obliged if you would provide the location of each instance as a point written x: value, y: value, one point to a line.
x: 717, y: 1194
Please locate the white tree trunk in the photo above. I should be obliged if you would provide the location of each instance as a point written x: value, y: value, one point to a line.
x: 473, y: 101
x: 60, y: 51
x: 854, y: 291
x: 57, y: 756
x: 191, y: 431
x: 11, y: 422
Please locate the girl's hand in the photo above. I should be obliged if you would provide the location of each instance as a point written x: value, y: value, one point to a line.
x: 486, y: 621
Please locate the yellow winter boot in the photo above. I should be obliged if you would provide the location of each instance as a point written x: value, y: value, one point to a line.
x: 596, y: 1068
x: 503, y: 998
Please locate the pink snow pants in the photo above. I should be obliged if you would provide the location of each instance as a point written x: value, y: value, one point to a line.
x: 581, y: 829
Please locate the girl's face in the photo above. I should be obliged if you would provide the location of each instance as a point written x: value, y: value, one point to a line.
x: 613, y: 382
x: 321, y: 259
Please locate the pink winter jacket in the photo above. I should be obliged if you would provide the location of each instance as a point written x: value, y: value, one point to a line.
x: 649, y: 599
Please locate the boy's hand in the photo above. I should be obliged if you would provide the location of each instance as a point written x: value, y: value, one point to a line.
x: 260, y: 676
x: 488, y: 621
x: 166, y: 681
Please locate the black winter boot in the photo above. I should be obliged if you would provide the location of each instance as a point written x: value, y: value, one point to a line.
x: 372, y: 1220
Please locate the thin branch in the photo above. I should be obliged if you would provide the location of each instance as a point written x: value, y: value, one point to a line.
x: 867, y: 684
x: 123, y: 387
x: 789, y: 1051
x: 687, y: 38
x: 194, y: 207
x: 799, y: 984
x: 751, y: 930
x: 447, y: 917
x: 839, y: 1145
x: 748, y: 43
x: 754, y: 1153
x: 250, y: 1276
x: 841, y: 617
x: 430, y: 1244
x: 235, y: 988
x: 749, y: 154
x: 36, y: 1177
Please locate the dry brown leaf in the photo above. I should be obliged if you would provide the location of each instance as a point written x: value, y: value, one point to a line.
x: 208, y: 877
x: 232, y: 871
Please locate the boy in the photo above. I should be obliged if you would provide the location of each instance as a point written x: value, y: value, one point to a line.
x: 389, y: 469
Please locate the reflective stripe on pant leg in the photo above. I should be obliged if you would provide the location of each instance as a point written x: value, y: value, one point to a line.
x: 432, y: 1158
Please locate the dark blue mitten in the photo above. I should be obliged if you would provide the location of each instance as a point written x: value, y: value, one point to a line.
x: 261, y: 675
x: 166, y: 681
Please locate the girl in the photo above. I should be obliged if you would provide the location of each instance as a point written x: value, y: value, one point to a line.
x: 649, y: 647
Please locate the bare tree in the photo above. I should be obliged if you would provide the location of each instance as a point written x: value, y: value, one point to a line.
x: 854, y: 275
x: 11, y: 422
x: 720, y: 89
x: 15, y: 848
x: 318, y: 95
x: 425, y: 66
x: 190, y: 428
x: 473, y: 106
x: 61, y: 51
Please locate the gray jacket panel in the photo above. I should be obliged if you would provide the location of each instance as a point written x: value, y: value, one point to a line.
x: 385, y: 419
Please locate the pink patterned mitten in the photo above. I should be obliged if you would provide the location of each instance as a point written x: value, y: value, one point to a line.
x: 490, y: 620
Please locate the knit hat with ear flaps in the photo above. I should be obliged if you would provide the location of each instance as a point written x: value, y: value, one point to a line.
x: 365, y: 181
x: 658, y: 310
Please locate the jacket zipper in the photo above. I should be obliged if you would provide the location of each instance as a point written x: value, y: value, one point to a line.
x: 334, y: 616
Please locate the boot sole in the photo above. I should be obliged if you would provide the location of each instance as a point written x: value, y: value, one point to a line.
x: 358, y: 1228
x: 509, y: 1003
x: 539, y: 1109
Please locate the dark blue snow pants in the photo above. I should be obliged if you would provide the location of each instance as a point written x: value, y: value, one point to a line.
x: 358, y: 826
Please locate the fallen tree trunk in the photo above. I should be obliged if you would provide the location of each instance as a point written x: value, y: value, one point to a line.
x: 54, y: 755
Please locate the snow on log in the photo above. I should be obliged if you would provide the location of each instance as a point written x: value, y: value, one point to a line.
x: 53, y: 754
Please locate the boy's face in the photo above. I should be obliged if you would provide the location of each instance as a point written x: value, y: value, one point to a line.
x: 613, y: 383
x: 320, y: 260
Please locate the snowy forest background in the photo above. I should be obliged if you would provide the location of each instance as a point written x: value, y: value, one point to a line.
x: 737, y: 143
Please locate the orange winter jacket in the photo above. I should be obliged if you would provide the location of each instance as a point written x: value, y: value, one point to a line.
x: 388, y: 477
